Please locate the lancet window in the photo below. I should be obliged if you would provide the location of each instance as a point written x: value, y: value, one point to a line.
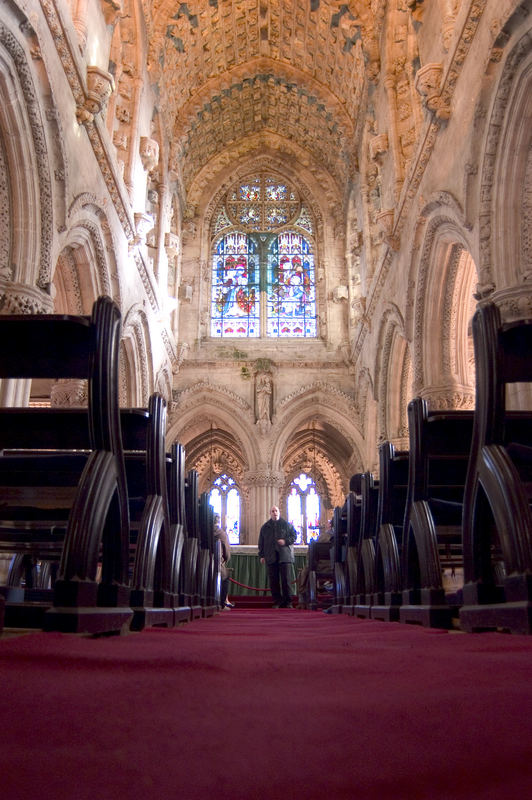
x: 224, y: 497
x: 303, y: 508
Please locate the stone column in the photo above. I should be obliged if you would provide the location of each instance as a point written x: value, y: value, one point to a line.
x: 263, y: 491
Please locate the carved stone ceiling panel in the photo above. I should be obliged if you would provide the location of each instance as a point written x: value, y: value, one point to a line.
x: 226, y: 69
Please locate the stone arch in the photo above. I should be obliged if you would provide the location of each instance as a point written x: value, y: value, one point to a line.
x: 505, y: 212
x: 393, y: 379
x: 194, y: 409
x: 331, y: 409
x: 313, y: 449
x: 444, y: 280
x: 86, y: 267
x: 26, y: 198
x: 136, y: 362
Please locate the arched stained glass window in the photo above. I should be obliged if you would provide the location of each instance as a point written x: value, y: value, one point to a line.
x: 303, y: 508
x: 263, y: 268
x: 224, y: 497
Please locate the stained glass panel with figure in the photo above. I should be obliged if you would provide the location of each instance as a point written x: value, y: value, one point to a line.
x: 235, y: 303
x: 291, y: 290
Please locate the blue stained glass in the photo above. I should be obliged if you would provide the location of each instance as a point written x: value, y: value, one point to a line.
x: 291, y: 305
x: 235, y: 303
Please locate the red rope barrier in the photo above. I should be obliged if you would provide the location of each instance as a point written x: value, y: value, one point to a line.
x: 253, y: 588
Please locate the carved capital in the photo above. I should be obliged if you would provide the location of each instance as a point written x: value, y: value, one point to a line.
x: 70, y: 393
x: 21, y: 299
x: 264, y: 478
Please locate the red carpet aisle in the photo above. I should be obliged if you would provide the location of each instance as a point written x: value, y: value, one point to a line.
x: 282, y: 704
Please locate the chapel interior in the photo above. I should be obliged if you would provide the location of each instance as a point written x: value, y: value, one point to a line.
x: 297, y: 206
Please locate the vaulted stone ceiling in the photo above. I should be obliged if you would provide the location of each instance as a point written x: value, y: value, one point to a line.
x: 249, y: 74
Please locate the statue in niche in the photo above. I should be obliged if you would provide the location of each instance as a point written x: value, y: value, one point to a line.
x: 263, y: 391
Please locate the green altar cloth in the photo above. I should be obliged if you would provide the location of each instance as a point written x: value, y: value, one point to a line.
x: 247, y: 573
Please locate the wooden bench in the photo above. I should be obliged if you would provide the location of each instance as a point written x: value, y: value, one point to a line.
x: 365, y: 583
x: 175, y: 471
x: 151, y: 535
x: 353, y: 521
x: 319, y: 569
x: 393, y: 487
x: 62, y: 486
x: 191, y: 585
x: 440, y: 442
x: 497, y: 520
x: 207, y: 579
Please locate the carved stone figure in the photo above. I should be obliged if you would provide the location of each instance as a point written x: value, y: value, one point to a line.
x: 263, y: 390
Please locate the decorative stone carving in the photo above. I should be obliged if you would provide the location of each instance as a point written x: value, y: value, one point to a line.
x: 149, y: 153
x: 340, y: 293
x: 263, y: 398
x: 100, y: 85
x: 378, y: 146
x: 111, y: 9
x: 171, y: 243
x: 385, y: 221
x: 143, y: 225
x: 429, y: 84
x: 70, y: 393
x: 21, y: 299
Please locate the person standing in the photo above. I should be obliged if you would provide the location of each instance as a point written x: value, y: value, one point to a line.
x: 276, y: 538
x: 221, y: 536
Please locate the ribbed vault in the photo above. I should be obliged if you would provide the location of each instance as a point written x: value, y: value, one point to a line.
x: 228, y: 70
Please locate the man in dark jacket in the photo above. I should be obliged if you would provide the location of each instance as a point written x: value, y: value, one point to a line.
x: 276, y: 538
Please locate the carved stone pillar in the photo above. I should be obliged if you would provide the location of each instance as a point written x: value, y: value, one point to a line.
x: 263, y: 489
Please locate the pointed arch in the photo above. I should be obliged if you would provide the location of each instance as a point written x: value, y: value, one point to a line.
x: 505, y: 213
x: 393, y: 378
x: 136, y: 362
x: 444, y: 279
x: 26, y: 228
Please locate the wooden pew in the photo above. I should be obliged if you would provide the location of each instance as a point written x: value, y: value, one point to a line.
x: 497, y: 519
x: 440, y: 443
x: 365, y: 585
x: 63, y: 486
x: 393, y: 486
x: 191, y: 587
x: 320, y: 569
x: 175, y: 469
x: 353, y: 517
x: 143, y: 437
x: 206, y: 558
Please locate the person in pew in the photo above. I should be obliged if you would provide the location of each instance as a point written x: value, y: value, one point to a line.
x: 221, y: 536
x: 276, y: 538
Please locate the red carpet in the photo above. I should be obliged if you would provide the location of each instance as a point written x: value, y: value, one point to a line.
x: 273, y: 704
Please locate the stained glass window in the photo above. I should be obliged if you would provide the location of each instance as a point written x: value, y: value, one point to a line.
x: 263, y: 271
x: 290, y: 287
x: 235, y: 300
x: 303, y: 508
x: 224, y: 497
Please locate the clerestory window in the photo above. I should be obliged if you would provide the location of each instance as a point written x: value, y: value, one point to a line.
x: 263, y: 267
